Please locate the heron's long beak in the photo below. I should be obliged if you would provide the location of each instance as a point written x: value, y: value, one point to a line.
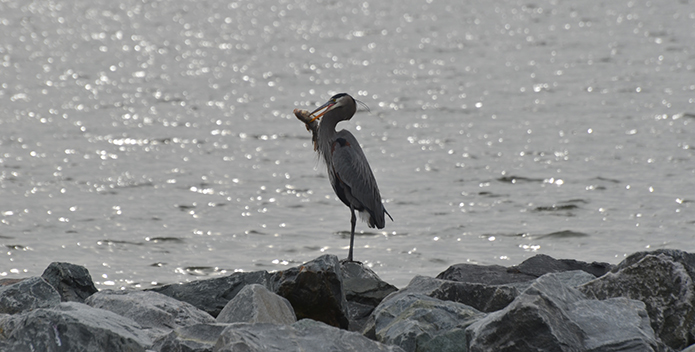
x: 326, y: 106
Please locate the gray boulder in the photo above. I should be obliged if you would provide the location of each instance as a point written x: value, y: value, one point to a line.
x: 362, y: 285
x: 304, y: 335
x: 26, y: 295
x: 484, y: 274
x: 211, y: 295
x: 315, y: 290
x: 256, y: 304
x: 485, y: 298
x: 71, y: 327
x: 664, y: 284
x: 550, y: 316
x: 528, y: 270
x: 73, y: 282
x: 156, y: 313
x: 541, y: 264
x: 421, y: 323
x: 191, y: 338
x: 364, y: 290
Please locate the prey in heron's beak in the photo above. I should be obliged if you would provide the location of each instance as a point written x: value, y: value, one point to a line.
x: 326, y: 106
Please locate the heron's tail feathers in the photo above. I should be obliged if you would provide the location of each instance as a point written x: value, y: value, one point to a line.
x: 374, y: 220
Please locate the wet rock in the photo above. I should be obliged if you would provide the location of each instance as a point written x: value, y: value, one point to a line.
x: 550, y: 316
x: 362, y: 285
x: 416, y: 322
x: 256, y: 304
x: 26, y: 295
x: 73, y: 282
x: 364, y: 290
x: 72, y: 327
x: 484, y: 274
x: 315, y: 290
x: 485, y: 298
x: 541, y: 264
x: 156, y: 313
x: 528, y: 270
x: 192, y: 338
x: 211, y: 295
x: 664, y: 284
x: 304, y: 335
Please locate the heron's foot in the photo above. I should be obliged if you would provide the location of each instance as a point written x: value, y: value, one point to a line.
x: 346, y: 260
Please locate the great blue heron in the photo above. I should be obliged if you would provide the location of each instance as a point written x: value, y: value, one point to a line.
x: 348, y: 170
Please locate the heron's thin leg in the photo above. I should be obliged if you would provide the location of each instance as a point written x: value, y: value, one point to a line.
x: 353, y: 220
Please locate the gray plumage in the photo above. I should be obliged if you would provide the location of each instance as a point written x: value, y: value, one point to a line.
x: 348, y: 169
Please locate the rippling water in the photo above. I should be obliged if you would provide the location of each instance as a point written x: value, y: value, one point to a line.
x: 154, y: 141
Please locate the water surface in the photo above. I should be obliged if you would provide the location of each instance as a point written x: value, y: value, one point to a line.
x: 154, y: 141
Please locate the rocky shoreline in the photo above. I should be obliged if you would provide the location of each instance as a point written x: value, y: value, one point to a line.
x: 645, y: 303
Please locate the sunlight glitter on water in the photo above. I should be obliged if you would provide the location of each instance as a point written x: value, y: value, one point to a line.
x: 131, y: 121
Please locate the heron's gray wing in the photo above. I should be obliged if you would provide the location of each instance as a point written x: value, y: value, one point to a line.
x: 351, y: 167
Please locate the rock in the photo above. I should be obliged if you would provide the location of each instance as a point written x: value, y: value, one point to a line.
x: 416, y: 322
x: 304, y: 335
x: 256, y: 304
x: 72, y: 326
x: 192, y: 338
x: 315, y: 290
x: 541, y: 264
x: 484, y: 274
x: 550, y: 316
x: 211, y: 295
x: 364, y: 290
x: 156, y: 313
x: 528, y: 270
x: 362, y: 285
x: 486, y: 298
x: 73, y: 282
x: 26, y: 295
x: 663, y: 284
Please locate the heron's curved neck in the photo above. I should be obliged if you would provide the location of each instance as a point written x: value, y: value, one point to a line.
x: 326, y: 134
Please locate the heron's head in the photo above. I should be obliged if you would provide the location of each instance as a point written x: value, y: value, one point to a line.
x: 342, y: 103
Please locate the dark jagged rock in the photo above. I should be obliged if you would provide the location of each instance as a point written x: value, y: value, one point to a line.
x: 421, y: 323
x: 663, y: 283
x: 484, y: 274
x: 256, y: 304
x: 26, y: 295
x: 528, y: 270
x: 73, y: 282
x: 485, y: 298
x: 192, y: 338
x: 550, y: 316
x: 211, y: 295
x: 364, y: 290
x: 362, y: 285
x: 156, y: 313
x: 304, y: 335
x: 72, y: 326
x: 541, y: 264
x: 315, y: 290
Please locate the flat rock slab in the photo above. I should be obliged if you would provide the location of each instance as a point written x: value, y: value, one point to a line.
x: 72, y: 327
x: 304, y: 335
x: 256, y: 304
x: 26, y: 295
x: 156, y: 313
